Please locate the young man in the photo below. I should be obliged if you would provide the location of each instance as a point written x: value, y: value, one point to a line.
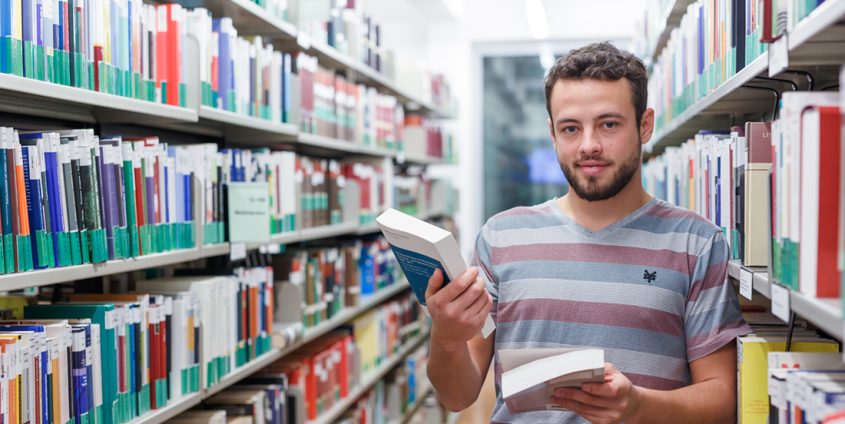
x: 604, y: 266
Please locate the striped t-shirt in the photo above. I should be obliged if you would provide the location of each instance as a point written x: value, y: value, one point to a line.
x: 650, y: 289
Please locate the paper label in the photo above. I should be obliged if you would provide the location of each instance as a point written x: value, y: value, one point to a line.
x: 249, y: 212
x: 168, y: 306
x: 237, y: 251
x: 746, y: 284
x: 111, y: 319
x: 780, y: 302
x: 304, y: 40
x: 778, y: 56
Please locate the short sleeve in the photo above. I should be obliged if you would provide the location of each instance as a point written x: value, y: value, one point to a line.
x: 482, y: 259
x: 712, y: 318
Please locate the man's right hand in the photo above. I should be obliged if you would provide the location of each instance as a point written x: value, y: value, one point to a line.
x: 458, y: 310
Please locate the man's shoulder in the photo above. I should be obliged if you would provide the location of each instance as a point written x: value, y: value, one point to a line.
x: 539, y: 215
x: 669, y: 217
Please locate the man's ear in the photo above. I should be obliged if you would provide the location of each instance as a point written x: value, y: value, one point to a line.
x: 647, y: 125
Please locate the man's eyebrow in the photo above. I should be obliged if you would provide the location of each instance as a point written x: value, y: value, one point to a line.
x: 567, y: 120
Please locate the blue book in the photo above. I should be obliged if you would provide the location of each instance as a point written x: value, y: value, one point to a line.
x: 224, y: 67
x: 54, y: 191
x: 89, y: 365
x: 5, y: 36
x: 80, y: 373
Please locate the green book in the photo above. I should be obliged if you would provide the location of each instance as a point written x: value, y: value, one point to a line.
x: 104, y: 315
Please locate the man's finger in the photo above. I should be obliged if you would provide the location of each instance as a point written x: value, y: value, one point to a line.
x: 458, y: 286
x: 434, y: 283
x: 590, y: 412
x: 584, y: 397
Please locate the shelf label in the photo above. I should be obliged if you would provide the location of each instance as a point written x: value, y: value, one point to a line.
x: 249, y: 212
x: 780, y: 302
x: 778, y: 56
x: 237, y: 251
x: 746, y: 283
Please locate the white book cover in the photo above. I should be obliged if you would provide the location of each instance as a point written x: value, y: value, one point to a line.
x: 530, y: 376
x: 98, y: 364
x: 421, y: 248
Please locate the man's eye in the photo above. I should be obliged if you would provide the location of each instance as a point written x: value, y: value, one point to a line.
x: 570, y: 130
x: 610, y: 125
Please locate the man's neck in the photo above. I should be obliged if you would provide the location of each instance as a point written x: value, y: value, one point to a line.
x: 598, y: 215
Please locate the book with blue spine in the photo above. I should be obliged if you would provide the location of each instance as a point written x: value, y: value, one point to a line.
x: 32, y: 176
x: 80, y: 375
x: 421, y: 248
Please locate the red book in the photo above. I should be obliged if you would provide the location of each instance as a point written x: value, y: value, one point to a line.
x: 174, y: 52
x: 154, y: 355
x: 820, y: 182
x: 161, y: 52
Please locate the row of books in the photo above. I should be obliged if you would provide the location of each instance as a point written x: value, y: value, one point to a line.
x: 113, y: 357
x: 70, y: 197
x: 317, y: 283
x: 332, y: 106
x: 649, y: 26
x: 781, y: 16
x: 257, y: 399
x: 122, y: 47
x: 328, y: 369
x: 390, y: 399
x: 725, y: 177
x: 419, y: 195
x: 714, y: 41
x: 764, y: 364
x: 344, y: 26
x: 424, y: 138
x: 244, y: 75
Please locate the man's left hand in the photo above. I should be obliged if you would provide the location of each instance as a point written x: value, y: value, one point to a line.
x: 613, y: 401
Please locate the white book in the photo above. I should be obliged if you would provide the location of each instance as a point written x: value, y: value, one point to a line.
x: 530, y: 376
x: 421, y: 248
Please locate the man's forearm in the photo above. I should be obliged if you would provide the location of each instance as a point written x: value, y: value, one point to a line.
x: 709, y: 401
x: 454, y: 375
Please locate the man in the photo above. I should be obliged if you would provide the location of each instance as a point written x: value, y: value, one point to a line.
x: 604, y: 266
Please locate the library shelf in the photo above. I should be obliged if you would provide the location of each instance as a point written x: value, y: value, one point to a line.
x: 825, y: 314
x: 318, y: 144
x: 703, y: 113
x: 32, y: 97
x: 170, y: 411
x: 815, y: 42
x: 419, y: 401
x: 42, y: 277
x: 345, y: 316
x: 251, y: 19
x: 670, y: 18
x: 243, y: 129
x: 245, y: 371
x: 368, y: 381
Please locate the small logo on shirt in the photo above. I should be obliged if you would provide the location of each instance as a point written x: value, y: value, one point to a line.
x: 649, y: 276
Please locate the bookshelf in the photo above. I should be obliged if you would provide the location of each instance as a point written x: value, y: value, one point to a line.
x: 188, y: 402
x: 825, y: 314
x: 816, y: 40
x: 670, y: 18
x: 252, y: 19
x: 38, y: 98
x: 345, y: 316
x: 28, y: 97
x: 368, y: 381
x: 421, y: 395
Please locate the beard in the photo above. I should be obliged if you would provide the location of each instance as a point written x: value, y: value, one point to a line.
x: 590, y: 190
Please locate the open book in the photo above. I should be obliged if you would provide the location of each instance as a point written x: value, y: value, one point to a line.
x: 530, y: 376
x: 421, y: 248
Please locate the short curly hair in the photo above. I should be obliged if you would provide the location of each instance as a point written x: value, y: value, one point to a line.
x: 604, y: 62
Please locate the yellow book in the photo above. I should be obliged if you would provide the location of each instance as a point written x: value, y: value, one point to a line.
x: 753, y: 371
x: 14, y: 305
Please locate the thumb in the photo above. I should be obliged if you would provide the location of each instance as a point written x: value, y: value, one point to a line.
x: 434, y: 283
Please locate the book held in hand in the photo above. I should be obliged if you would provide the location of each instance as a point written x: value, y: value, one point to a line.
x: 421, y: 248
x: 530, y: 376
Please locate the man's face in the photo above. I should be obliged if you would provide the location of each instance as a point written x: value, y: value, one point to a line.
x: 594, y: 129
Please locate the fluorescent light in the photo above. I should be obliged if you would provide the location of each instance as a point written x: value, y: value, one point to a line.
x: 538, y: 24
